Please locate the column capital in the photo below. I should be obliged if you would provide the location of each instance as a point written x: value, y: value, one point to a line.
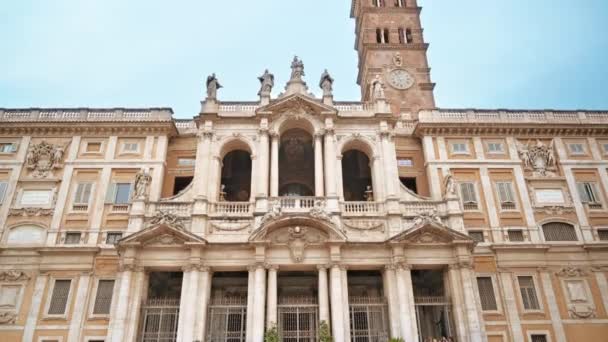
x: 274, y: 134
x: 257, y: 265
x: 390, y: 267
x: 403, y: 266
x: 319, y: 134
x: 263, y: 131
x: 196, y: 267
x: 130, y: 268
x: 271, y: 267
x: 323, y: 267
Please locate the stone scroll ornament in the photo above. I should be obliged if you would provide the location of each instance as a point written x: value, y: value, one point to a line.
x: 43, y: 158
x: 538, y: 158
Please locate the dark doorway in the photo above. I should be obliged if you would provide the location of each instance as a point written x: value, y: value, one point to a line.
x: 181, y: 183
x: 236, y: 177
x: 356, y: 175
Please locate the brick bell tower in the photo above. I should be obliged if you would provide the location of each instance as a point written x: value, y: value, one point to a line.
x: 389, y: 43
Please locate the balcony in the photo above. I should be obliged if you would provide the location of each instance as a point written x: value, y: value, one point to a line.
x: 296, y: 204
x: 231, y: 209
x: 362, y: 208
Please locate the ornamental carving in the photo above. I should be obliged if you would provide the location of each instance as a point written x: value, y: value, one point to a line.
x: 165, y: 239
x: 426, y: 217
x: 30, y: 212
x: 13, y: 275
x: 581, y: 311
x: 364, y: 225
x: 142, y: 183
x: 8, y: 317
x: 43, y: 158
x: 230, y: 226
x: 538, y: 158
x: 273, y: 214
x: 571, y: 272
x: 320, y: 212
x: 554, y: 210
x: 298, y: 239
x: 167, y: 219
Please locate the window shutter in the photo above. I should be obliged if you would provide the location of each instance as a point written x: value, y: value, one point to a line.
x: 528, y: 293
x: 103, y: 300
x: 111, y: 193
x: 559, y: 231
x: 59, y: 298
x: 505, y: 192
x: 468, y: 193
x: 486, y: 294
x: 592, y: 193
x: 3, y: 186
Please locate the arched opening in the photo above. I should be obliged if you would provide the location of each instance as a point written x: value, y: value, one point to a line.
x: 236, y: 177
x: 356, y: 176
x: 25, y: 235
x: 296, y: 163
x: 559, y: 231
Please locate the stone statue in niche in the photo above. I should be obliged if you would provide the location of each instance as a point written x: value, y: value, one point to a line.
x: 326, y: 83
x: 44, y: 157
x: 142, y: 183
x: 297, y: 70
x: 397, y: 59
x: 377, y: 89
x: 449, y: 187
x: 266, y: 83
x: 213, y: 85
x: 538, y: 158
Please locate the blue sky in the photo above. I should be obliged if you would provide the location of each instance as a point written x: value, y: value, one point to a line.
x: 116, y: 53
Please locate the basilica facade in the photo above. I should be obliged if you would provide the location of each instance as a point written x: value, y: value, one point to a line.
x: 303, y: 217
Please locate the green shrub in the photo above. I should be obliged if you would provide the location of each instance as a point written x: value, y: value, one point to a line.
x: 396, y: 340
x: 324, y: 333
x: 272, y: 334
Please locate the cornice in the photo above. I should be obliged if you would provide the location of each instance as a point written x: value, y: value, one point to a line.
x: 89, y: 128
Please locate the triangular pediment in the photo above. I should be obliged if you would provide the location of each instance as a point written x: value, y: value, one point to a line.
x: 431, y: 232
x: 296, y: 103
x: 161, y: 235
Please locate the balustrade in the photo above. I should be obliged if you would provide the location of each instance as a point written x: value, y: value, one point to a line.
x: 296, y: 203
x: 232, y: 208
x: 361, y: 208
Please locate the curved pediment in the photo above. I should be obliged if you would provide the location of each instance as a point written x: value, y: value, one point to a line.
x: 323, y: 229
x: 161, y: 235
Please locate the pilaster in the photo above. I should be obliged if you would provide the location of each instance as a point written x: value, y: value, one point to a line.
x: 512, y: 314
x: 319, y: 186
x: 271, y: 306
x: 337, y: 309
x: 34, y: 312
x: 471, y: 305
x: 259, y: 305
x: 405, y: 296
x: 80, y: 309
x: 390, y: 285
x: 323, y: 294
x: 274, y: 165
x: 556, y: 320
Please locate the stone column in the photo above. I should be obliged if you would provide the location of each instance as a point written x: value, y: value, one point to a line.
x: 323, y: 294
x: 121, y: 324
x: 80, y: 309
x: 188, y: 304
x: 250, y: 301
x: 330, y: 161
x: 556, y: 319
x: 319, y: 191
x: 259, y: 304
x: 514, y: 323
x: 460, y: 319
x: 390, y: 289
x: 377, y: 179
x: 345, y: 302
x: 337, y: 310
x: 201, y: 171
x: 271, y: 306
x: 202, y: 303
x: 134, y: 306
x: 407, y: 309
x: 391, y: 171
x: 34, y: 312
x: 263, y: 175
x: 274, y: 165
x: 474, y: 315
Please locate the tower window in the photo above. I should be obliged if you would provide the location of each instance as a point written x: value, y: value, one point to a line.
x: 400, y: 3
x: 386, y: 36
x: 379, y: 36
x: 408, y: 36
x: 379, y: 3
x: 402, y: 38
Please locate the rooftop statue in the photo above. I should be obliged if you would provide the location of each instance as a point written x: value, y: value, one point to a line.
x: 297, y: 70
x: 326, y: 83
x: 212, y: 87
x: 266, y: 83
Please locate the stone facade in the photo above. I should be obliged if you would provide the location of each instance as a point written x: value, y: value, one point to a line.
x: 381, y: 218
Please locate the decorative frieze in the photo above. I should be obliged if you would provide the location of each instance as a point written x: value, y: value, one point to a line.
x: 12, y: 276
x: 571, y: 272
x: 8, y: 317
x: 168, y: 219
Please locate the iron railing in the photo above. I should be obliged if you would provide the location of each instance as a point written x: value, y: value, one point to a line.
x: 298, y: 319
x: 368, y: 319
x: 227, y: 319
x: 159, y: 317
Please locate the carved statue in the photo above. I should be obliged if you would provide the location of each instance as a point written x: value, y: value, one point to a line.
x: 326, y: 83
x: 274, y: 212
x: 297, y: 69
x: 424, y: 217
x: 397, y: 59
x: 319, y: 211
x: 377, y: 88
x: 44, y: 157
x: 449, y: 186
x: 213, y: 85
x: 168, y: 219
x: 222, y: 193
x: 538, y: 158
x: 369, y: 194
x: 142, y: 182
x: 266, y: 83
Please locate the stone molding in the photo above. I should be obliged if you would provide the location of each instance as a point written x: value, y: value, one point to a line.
x: 13, y: 276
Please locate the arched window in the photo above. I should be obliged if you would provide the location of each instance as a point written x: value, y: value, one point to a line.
x: 26, y: 235
x: 379, y: 36
x: 236, y: 177
x: 296, y: 163
x: 559, y: 231
x: 356, y: 176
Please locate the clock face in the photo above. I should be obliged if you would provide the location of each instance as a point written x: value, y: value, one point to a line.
x: 401, y: 79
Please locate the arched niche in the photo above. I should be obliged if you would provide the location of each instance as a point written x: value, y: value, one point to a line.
x: 296, y: 163
x: 26, y: 234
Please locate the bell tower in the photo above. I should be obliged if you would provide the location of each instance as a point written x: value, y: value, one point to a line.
x: 389, y: 43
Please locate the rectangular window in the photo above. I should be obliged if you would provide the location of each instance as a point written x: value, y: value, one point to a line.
x: 8, y: 148
x: 113, y: 238
x: 119, y: 193
x: 469, y: 196
x: 505, y: 195
x: 186, y: 161
x: 59, y: 297
x: 538, y: 338
x: 476, y: 235
x: 405, y: 162
x: 36, y: 197
x: 130, y: 147
x: 549, y: 196
x: 577, y: 149
x: 83, y: 193
x: 528, y: 293
x: 516, y: 235
x: 605, y: 146
x: 589, y: 194
x: 72, y: 238
x: 602, y: 234
x: 93, y: 147
x: 486, y: 294
x: 3, y: 187
x: 496, y: 147
x: 103, y: 299
x: 460, y: 148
